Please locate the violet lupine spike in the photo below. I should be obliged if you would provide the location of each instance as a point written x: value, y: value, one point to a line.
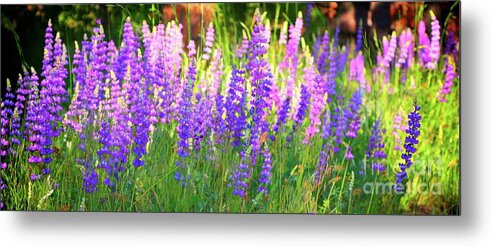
x: 411, y: 141
x: 317, y: 105
x: 435, y: 43
x: 342, y: 59
x: 7, y: 110
x: 404, y: 43
x: 309, y: 10
x: 307, y: 88
x: 142, y: 127
x: 128, y: 50
x: 321, y: 166
x: 48, y: 49
x: 424, y: 45
x: 322, y: 61
x: 397, y: 127
x: 236, y: 106
x: 357, y: 72
x: 451, y: 46
x: 290, y: 63
x: 241, y: 176
x: 202, y: 119
x: 120, y: 136
x: 3, y: 186
x: 301, y: 110
x: 242, y: 50
x: 282, y: 40
x: 261, y: 83
x: 266, y: 172
x: 184, y: 128
x: 282, y: 115
x: 348, y: 154
x: 19, y: 110
x: 330, y: 84
x: 450, y: 75
x: 22, y: 93
x: 52, y: 94
x: 375, y: 148
x: 34, y: 125
x: 389, y: 54
x: 215, y: 90
x: 191, y: 48
x: 77, y: 110
x: 209, y: 41
x: 315, y: 49
x: 358, y: 38
x: 172, y: 59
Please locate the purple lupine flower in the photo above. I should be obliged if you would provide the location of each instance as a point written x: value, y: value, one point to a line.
x: 128, y: 50
x: 435, y: 44
x: 202, y: 119
x: 309, y: 10
x: 375, y: 149
x: 358, y: 38
x: 290, y: 62
x: 424, y: 44
x: 52, y: 93
x: 209, y: 41
x: 354, y: 127
x: 321, y: 166
x: 242, y: 50
x: 184, y: 127
x: 324, y: 53
x: 282, y: 114
x: 411, y: 140
x: 236, y: 106
x: 405, y: 41
x: 20, y: 106
x: 348, y: 153
x: 282, y: 40
x: 389, y: 52
x: 7, y: 110
x: 449, y: 77
x: 3, y: 186
x: 218, y: 123
x: 261, y: 81
x: 342, y: 59
x: 241, y: 176
x: 171, y: 67
x: 142, y: 126
x: 317, y: 104
x: 77, y: 111
x: 266, y: 172
x: 357, y: 72
x: 117, y: 137
x: 451, y: 45
x: 397, y: 127
x: 303, y: 107
x: 34, y: 121
x: 351, y: 114
x: 330, y: 84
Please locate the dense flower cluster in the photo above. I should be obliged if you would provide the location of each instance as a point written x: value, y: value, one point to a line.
x: 126, y: 97
x: 411, y: 141
x: 375, y: 148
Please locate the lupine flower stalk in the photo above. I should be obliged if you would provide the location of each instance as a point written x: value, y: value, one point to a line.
x: 209, y: 41
x: 266, y: 171
x: 235, y: 106
x: 7, y: 110
x: 261, y: 82
x: 375, y: 149
x: 411, y: 141
x: 435, y: 43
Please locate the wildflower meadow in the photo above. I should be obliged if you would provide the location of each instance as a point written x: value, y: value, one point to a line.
x: 280, y: 116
